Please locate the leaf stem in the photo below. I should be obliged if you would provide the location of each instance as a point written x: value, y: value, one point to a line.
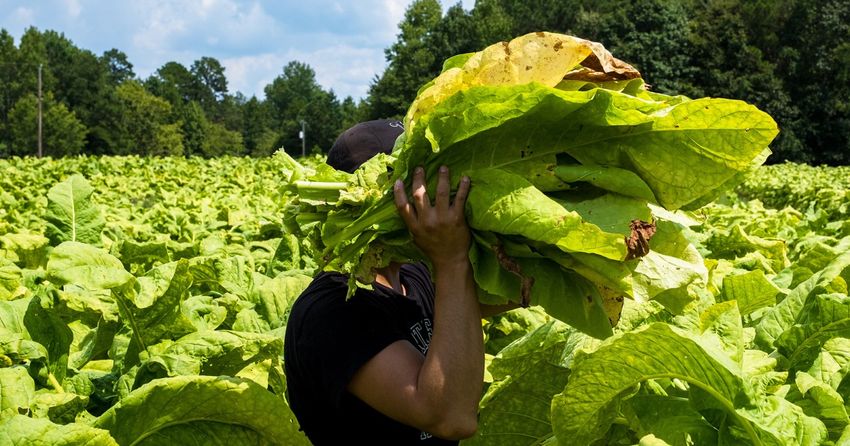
x: 56, y: 386
x: 382, y: 211
x: 748, y: 427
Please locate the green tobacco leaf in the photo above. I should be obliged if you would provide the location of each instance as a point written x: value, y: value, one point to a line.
x: 144, y: 253
x: 277, y: 295
x: 94, y: 304
x: 564, y: 294
x: 599, y: 127
x: 207, y: 433
x: 585, y: 410
x: 732, y: 243
x: 71, y: 216
x: 21, y: 430
x: 250, y: 321
x: 822, y: 318
x: 210, y: 353
x: 612, y: 213
x: 620, y: 181
x: 11, y: 277
x: 823, y: 402
x: 504, y: 328
x: 60, y: 408
x: 19, y: 349
x: 783, y: 315
x: 166, y: 409
x: 833, y: 364
x: 85, y: 266
x: 672, y: 266
x: 46, y: 328
x: 12, y: 315
x: 235, y: 274
x: 153, y: 312
x: 515, y: 409
x: 17, y: 389
x: 31, y: 249
x: 671, y: 419
x: 779, y: 422
x: 286, y: 256
x: 752, y: 290
x: 204, y: 312
x: 505, y: 203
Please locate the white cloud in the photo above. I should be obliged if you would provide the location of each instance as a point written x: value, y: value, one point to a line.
x: 73, y: 7
x: 342, y: 68
x: 343, y: 41
x: 158, y: 26
x: 345, y: 69
x: 395, y: 10
x: 250, y: 74
x: 204, y: 26
x: 23, y: 15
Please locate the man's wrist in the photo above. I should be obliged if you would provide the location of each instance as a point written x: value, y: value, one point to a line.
x: 456, y: 264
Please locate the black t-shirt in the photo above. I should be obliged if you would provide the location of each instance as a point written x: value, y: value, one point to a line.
x: 328, y: 339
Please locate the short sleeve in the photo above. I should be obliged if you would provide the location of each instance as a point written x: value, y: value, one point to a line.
x: 338, y: 337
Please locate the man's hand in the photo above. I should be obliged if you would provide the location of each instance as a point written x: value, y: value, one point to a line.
x: 437, y: 392
x: 439, y: 230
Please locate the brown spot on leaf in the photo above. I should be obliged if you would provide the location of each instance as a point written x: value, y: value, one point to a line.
x: 527, y: 67
x: 540, y: 34
x: 612, y: 303
x: 637, y: 242
x: 558, y: 46
x: 507, y: 48
x: 511, y: 265
x: 601, y: 66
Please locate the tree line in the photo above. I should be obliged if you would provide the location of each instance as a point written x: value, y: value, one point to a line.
x: 791, y: 58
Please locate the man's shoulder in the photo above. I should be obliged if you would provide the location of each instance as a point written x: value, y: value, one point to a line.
x: 328, y: 289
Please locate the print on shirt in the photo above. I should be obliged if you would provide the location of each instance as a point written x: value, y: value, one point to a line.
x: 420, y: 332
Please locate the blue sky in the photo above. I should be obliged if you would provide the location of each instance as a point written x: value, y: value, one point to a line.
x: 343, y: 41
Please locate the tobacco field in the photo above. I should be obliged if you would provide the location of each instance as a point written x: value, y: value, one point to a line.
x: 144, y: 301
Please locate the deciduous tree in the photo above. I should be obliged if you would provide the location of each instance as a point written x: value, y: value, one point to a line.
x: 62, y: 133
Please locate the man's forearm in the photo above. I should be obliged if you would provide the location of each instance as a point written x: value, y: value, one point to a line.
x: 453, y: 370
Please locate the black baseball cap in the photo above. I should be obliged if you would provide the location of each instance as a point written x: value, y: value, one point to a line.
x: 363, y: 141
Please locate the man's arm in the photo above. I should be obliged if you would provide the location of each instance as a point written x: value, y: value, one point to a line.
x: 438, y: 392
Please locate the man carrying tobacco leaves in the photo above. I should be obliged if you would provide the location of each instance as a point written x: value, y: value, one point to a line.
x: 401, y: 363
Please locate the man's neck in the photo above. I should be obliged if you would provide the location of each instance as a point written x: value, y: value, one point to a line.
x: 389, y: 276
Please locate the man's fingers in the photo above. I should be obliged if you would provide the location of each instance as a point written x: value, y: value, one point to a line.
x: 462, y: 193
x: 443, y: 189
x: 405, y: 209
x: 420, y: 195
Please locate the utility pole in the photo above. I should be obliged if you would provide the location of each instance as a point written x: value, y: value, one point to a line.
x: 40, y: 153
x: 303, y: 135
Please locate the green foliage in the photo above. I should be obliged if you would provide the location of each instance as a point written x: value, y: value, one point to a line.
x: 70, y: 214
x: 194, y: 127
x: 221, y: 141
x: 295, y: 97
x: 542, y: 206
x: 257, y: 133
x: 120, y: 68
x: 204, y: 285
x: 816, y: 51
x: 62, y: 133
x: 181, y: 310
x: 143, y: 126
x: 412, y: 62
